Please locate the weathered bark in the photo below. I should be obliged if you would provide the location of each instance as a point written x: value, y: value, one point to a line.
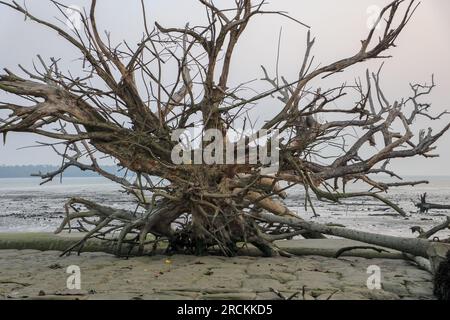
x: 434, y: 251
x: 49, y: 242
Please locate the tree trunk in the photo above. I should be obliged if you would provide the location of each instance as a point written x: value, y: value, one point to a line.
x: 436, y: 252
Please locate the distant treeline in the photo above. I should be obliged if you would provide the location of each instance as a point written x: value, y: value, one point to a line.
x: 28, y: 170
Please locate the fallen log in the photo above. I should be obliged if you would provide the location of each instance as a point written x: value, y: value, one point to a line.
x: 51, y: 242
x: 304, y: 247
x: 415, y: 246
x: 424, y: 206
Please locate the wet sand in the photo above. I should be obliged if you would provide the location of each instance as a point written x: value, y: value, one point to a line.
x: 32, y: 274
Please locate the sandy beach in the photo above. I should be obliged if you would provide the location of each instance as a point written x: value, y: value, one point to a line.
x: 33, y: 274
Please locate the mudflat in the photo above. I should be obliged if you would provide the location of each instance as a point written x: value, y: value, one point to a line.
x: 32, y: 274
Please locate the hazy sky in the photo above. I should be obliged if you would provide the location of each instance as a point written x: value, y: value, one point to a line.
x: 423, y: 49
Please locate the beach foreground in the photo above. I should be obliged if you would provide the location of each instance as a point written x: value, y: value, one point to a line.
x: 33, y: 274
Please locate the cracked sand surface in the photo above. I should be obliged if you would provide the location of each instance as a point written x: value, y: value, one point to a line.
x: 35, y: 274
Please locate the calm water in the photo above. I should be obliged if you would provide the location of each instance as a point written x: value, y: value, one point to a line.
x: 27, y: 206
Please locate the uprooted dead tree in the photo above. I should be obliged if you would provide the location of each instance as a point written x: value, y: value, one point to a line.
x: 425, y: 206
x: 127, y: 101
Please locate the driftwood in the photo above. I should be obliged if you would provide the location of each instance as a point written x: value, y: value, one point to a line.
x: 343, y: 250
x: 316, y: 247
x: 435, y: 251
x: 424, y: 206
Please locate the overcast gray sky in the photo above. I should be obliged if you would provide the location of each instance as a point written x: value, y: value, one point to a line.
x: 423, y: 49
